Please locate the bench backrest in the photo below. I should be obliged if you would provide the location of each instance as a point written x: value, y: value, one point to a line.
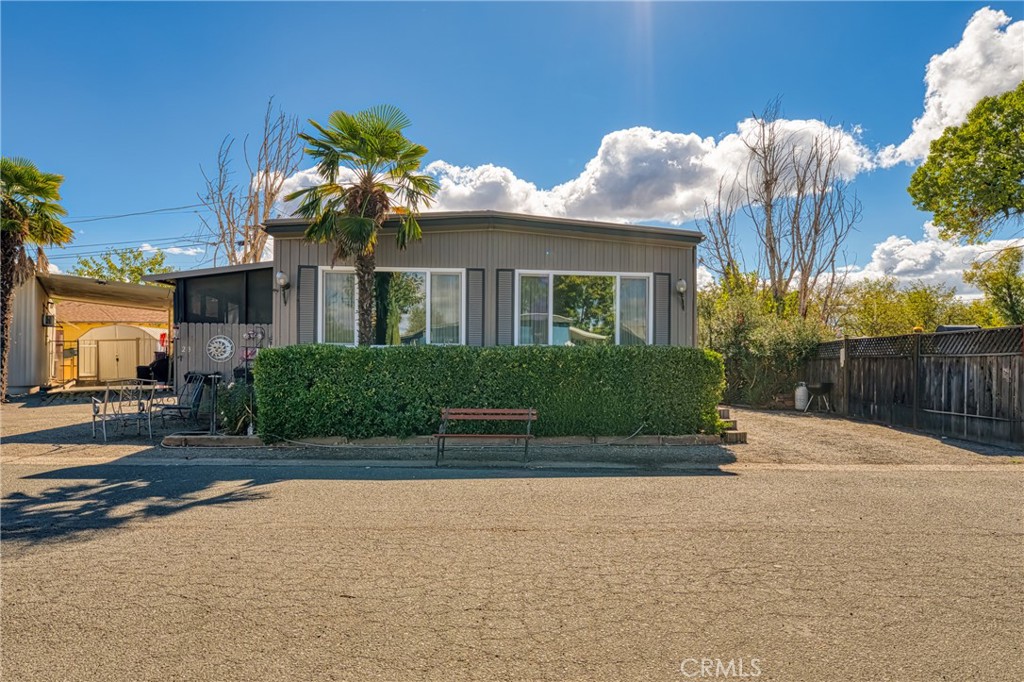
x: 485, y: 414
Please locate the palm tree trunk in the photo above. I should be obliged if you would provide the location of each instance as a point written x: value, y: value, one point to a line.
x: 366, y: 263
x: 10, y: 247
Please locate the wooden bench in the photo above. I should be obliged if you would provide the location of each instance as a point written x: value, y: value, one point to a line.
x: 450, y: 414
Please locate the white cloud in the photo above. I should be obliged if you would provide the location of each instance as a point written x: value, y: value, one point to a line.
x: 173, y: 250
x: 929, y: 259
x: 988, y: 60
x: 638, y: 174
x: 52, y: 269
x: 704, y: 277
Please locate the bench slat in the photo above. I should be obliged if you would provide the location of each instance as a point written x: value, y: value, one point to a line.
x: 489, y: 414
x: 492, y: 418
x: 483, y: 435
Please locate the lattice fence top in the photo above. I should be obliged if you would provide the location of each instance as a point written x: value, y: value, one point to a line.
x: 999, y: 341
x: 829, y: 349
x: 882, y: 347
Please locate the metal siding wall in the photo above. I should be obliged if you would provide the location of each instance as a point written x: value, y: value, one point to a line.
x: 26, y: 360
x: 190, y: 351
x: 498, y: 249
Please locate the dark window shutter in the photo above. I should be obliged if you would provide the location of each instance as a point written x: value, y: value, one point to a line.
x: 474, y: 307
x: 662, y: 308
x: 306, y: 298
x: 506, y: 301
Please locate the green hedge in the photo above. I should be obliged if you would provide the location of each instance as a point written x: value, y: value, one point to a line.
x: 323, y: 391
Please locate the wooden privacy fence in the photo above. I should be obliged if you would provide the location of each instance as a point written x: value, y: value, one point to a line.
x: 962, y: 384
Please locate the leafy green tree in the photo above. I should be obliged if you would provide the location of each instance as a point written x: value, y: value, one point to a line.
x: 980, y: 312
x: 973, y: 179
x: 31, y: 214
x: 764, y: 344
x: 121, y: 265
x: 881, y: 307
x: 381, y: 177
x: 1001, y: 279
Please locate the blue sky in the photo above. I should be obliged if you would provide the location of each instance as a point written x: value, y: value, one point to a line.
x: 127, y: 100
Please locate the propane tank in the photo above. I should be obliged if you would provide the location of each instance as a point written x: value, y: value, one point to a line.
x: 803, y: 396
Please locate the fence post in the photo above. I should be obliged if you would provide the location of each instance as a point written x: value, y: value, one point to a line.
x: 915, y: 376
x: 846, y: 375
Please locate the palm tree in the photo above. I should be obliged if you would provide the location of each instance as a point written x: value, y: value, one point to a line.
x: 30, y: 215
x: 369, y: 170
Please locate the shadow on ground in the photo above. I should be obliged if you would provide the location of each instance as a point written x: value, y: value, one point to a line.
x: 94, y: 498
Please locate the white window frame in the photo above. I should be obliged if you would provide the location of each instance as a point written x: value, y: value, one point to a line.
x: 461, y: 272
x: 551, y: 274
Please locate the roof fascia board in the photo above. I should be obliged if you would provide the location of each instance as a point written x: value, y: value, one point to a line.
x: 221, y: 270
x: 482, y: 220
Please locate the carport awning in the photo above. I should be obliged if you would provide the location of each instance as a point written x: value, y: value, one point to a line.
x: 88, y: 290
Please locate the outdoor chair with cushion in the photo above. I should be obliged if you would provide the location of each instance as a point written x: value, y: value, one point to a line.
x: 124, y: 403
x: 186, y: 404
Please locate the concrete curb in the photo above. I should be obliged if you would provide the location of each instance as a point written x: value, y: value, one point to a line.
x: 207, y: 441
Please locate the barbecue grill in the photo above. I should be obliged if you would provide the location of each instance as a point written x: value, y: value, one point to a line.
x: 820, y: 391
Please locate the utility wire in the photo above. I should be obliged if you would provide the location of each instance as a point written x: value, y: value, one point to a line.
x: 92, y: 219
x: 159, y: 240
x: 82, y: 254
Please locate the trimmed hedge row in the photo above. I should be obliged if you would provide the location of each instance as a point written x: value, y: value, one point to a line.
x: 312, y: 391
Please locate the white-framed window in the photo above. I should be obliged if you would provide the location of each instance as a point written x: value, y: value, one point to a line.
x: 414, y: 306
x: 562, y: 308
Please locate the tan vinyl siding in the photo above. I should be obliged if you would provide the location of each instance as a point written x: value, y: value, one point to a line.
x: 494, y: 248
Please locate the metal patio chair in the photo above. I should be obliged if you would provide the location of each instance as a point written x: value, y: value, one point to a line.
x: 186, y: 404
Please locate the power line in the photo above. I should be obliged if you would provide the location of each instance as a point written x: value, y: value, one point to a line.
x: 85, y: 254
x: 93, y: 219
x: 159, y: 240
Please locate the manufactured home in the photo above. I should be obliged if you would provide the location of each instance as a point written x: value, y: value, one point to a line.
x: 481, y: 278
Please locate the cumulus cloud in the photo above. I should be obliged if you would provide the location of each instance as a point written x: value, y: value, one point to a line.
x: 173, y: 250
x: 987, y: 61
x: 52, y: 269
x: 928, y: 259
x: 704, y: 277
x: 638, y: 174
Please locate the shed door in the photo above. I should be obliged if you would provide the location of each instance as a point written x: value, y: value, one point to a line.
x: 117, y: 358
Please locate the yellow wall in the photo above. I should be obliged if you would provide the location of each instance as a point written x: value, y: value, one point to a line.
x: 74, y: 331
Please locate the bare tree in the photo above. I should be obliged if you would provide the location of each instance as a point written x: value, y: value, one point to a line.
x: 800, y: 206
x: 722, y: 252
x: 239, y: 210
x: 821, y: 210
x: 765, y: 191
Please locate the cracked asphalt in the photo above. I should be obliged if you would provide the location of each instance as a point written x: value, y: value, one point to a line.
x: 122, y: 562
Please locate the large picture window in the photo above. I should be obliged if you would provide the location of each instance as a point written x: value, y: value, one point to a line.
x: 412, y: 307
x: 572, y: 309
